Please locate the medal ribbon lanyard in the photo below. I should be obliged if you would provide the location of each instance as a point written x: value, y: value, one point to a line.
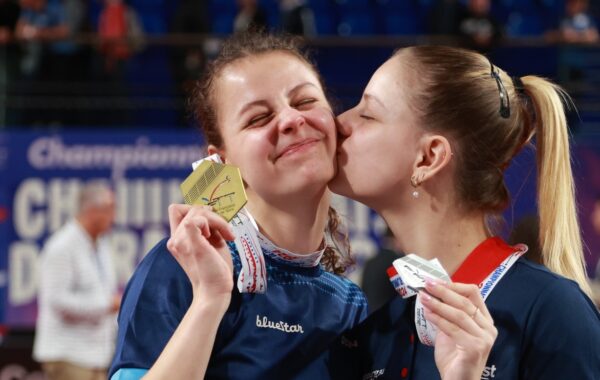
x: 484, y: 267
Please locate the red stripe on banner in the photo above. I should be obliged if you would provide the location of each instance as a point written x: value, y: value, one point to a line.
x: 484, y: 259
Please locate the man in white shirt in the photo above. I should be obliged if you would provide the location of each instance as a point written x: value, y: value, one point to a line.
x: 78, y: 297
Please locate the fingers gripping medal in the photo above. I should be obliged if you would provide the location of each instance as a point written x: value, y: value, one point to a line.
x: 408, y: 276
x: 217, y: 185
x: 220, y: 186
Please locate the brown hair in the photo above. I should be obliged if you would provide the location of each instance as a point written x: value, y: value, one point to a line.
x: 457, y: 94
x: 336, y: 258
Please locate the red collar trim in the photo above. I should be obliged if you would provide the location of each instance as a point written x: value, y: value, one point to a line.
x: 482, y: 261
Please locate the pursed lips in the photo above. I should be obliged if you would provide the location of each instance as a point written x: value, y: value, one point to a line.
x: 295, y: 147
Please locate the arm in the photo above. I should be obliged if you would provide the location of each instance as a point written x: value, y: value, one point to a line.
x: 198, y: 244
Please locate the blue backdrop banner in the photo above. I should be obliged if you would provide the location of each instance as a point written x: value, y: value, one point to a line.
x: 41, y: 175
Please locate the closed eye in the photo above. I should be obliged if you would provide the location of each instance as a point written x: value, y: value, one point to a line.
x: 259, y: 120
x: 367, y: 117
x: 305, y: 102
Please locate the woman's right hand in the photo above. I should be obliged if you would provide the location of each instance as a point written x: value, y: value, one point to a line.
x: 198, y: 244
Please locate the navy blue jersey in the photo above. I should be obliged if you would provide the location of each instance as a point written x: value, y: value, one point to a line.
x: 547, y: 329
x: 277, y: 335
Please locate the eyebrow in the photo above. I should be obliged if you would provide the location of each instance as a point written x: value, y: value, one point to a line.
x: 262, y: 102
x: 369, y: 97
x: 300, y: 86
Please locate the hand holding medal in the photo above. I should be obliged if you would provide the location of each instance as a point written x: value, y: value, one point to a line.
x: 220, y: 187
x: 450, y: 316
x: 214, y: 193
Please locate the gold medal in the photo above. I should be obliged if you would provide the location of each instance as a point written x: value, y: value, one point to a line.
x: 216, y: 185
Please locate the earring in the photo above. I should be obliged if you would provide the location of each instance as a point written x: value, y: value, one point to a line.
x: 415, y: 184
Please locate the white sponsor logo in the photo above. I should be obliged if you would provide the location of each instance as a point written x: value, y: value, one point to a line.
x: 282, y: 326
x: 374, y: 374
x: 53, y: 153
x: 489, y: 373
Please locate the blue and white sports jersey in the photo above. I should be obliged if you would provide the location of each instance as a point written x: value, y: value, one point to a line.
x: 547, y: 329
x: 281, y: 334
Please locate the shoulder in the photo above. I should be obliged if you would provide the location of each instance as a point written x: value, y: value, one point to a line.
x: 549, y: 299
x: 159, y: 281
x: 560, y: 326
x: 155, y: 300
x: 526, y: 273
x: 62, y: 241
x: 157, y: 285
x: 158, y: 268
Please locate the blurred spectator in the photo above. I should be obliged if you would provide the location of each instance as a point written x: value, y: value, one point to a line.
x: 191, y: 17
x: 445, y: 17
x: 9, y: 52
x: 527, y: 231
x: 46, y: 55
x: 297, y: 18
x: 9, y: 15
x: 121, y: 34
x: 78, y: 297
x: 375, y: 281
x: 478, y: 27
x: 50, y: 53
x: 578, y: 26
x: 41, y: 22
x: 249, y: 16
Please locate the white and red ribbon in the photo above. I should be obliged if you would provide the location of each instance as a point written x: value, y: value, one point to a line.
x: 485, y: 267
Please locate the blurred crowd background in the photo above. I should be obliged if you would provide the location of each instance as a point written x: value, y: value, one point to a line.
x: 67, y: 62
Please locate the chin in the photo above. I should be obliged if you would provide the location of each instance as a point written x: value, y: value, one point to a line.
x: 318, y: 170
x: 339, y: 184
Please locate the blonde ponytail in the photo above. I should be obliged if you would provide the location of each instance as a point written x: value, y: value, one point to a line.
x: 560, y: 237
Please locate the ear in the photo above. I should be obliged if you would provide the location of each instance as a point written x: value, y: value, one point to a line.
x: 435, y: 155
x: 221, y: 152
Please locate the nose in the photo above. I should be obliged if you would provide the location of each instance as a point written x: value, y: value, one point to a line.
x: 290, y: 119
x: 343, y: 124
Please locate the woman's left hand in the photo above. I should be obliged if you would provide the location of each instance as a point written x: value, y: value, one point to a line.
x: 466, y: 329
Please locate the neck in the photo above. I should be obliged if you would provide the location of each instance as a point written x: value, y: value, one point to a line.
x: 294, y: 224
x: 441, y: 231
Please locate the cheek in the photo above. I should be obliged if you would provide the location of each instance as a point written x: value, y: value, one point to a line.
x: 365, y: 144
x: 244, y: 148
x: 322, y: 119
